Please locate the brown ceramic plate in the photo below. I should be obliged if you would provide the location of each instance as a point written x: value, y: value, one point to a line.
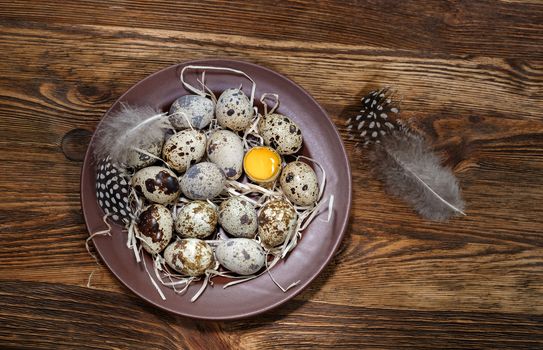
x: 320, y: 240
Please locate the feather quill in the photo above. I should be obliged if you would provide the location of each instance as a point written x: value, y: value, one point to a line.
x: 404, y: 161
x: 129, y: 130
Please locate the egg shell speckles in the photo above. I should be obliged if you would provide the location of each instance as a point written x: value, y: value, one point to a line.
x: 281, y: 133
x: 196, y: 219
x: 225, y: 149
x: 238, y: 217
x: 157, y: 184
x: 203, y: 181
x: 195, y: 109
x: 155, y: 226
x: 189, y: 256
x: 184, y: 149
x: 299, y: 183
x: 276, y: 221
x: 137, y: 159
x: 241, y: 255
x: 234, y: 110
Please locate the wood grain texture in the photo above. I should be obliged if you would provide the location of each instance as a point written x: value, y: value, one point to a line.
x: 470, y: 74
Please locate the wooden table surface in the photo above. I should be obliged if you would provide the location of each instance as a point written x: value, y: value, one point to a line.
x: 470, y: 74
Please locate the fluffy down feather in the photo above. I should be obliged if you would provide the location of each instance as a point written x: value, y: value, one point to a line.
x: 127, y: 129
x: 411, y: 171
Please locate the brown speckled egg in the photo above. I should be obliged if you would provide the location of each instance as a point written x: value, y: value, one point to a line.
x: 276, y: 221
x: 225, y: 149
x: 194, y: 109
x: 281, y: 133
x: 157, y: 184
x: 238, y: 217
x: 196, y: 219
x: 203, y: 181
x: 189, y: 256
x: 137, y: 159
x: 184, y: 149
x: 234, y: 110
x: 155, y: 226
x: 299, y: 183
x: 241, y: 255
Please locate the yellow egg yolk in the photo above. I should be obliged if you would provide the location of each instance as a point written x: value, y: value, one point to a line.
x: 262, y: 164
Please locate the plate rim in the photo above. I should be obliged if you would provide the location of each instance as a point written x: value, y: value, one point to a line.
x: 89, y: 159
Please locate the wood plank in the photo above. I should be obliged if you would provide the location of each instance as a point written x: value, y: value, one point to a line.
x: 42, y: 315
x: 478, y: 88
x: 511, y: 30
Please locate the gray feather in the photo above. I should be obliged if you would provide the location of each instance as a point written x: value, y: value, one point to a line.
x: 411, y: 171
x: 128, y: 129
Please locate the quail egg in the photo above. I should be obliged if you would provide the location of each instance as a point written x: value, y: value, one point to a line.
x: 234, y: 110
x: 194, y: 109
x: 137, y: 159
x: 203, y: 181
x: 281, y: 133
x: 196, y: 219
x: 225, y: 149
x: 238, y: 217
x: 184, y: 149
x: 155, y: 226
x: 276, y: 221
x: 241, y: 255
x: 189, y: 256
x: 299, y: 183
x: 157, y: 184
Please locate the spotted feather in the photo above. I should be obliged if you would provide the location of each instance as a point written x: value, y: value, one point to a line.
x: 112, y: 192
x: 378, y: 117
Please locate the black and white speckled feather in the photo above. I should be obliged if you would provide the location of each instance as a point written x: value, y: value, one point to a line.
x: 112, y: 192
x: 378, y: 117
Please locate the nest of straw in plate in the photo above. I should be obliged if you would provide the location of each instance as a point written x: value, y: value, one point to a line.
x: 159, y: 273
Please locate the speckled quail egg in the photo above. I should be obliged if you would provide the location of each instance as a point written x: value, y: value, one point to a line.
x: 238, y: 217
x: 157, y: 184
x: 225, y: 149
x: 241, y: 255
x: 299, y: 183
x: 184, y: 149
x: 196, y: 219
x: 189, y: 256
x: 203, y: 181
x: 195, y: 109
x: 281, y: 133
x: 276, y: 221
x: 137, y: 159
x: 234, y: 110
x: 155, y: 226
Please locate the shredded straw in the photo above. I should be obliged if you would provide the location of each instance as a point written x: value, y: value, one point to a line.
x: 220, y: 69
